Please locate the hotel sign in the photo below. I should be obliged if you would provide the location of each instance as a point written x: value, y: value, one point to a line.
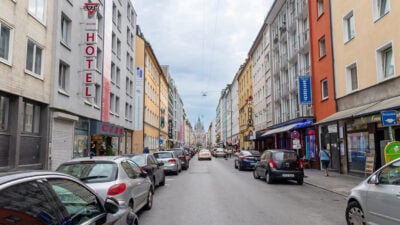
x: 305, y: 95
x: 90, y: 49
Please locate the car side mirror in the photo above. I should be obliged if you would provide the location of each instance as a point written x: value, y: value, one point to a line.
x: 111, y: 205
x: 160, y: 164
x: 374, y: 179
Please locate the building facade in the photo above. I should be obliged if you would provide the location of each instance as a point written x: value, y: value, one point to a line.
x: 246, y: 116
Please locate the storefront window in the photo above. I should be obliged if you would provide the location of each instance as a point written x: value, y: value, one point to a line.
x: 81, y: 139
x: 357, y: 149
x: 4, y: 112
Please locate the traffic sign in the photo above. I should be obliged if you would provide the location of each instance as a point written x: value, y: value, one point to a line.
x: 389, y: 117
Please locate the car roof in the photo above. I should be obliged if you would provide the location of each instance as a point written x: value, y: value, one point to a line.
x: 21, y: 174
x: 100, y: 158
x: 281, y: 150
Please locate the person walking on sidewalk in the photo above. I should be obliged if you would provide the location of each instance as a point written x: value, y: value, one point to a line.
x: 324, y: 155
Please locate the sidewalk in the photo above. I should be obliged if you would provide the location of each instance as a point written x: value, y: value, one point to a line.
x: 335, y: 182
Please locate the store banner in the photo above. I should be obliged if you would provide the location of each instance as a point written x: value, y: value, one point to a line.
x: 305, y: 95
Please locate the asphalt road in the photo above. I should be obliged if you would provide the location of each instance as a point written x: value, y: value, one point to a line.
x: 214, y: 193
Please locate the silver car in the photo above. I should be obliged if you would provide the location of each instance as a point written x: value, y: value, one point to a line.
x: 45, y: 197
x: 220, y: 152
x: 376, y: 199
x: 171, y: 161
x: 115, y: 176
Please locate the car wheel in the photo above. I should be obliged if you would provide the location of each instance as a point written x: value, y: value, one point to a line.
x: 162, y: 183
x: 149, y: 203
x: 268, y: 177
x: 300, y: 181
x: 240, y: 166
x: 354, y: 214
x: 255, y: 175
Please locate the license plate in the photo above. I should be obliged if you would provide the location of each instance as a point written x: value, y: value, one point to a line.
x: 287, y: 175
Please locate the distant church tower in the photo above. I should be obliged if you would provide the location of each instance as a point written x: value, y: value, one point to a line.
x: 199, y: 133
x: 199, y: 127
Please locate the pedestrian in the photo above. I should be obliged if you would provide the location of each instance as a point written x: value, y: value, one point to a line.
x: 324, y: 156
x: 103, y: 148
x: 92, y: 149
x: 146, y: 150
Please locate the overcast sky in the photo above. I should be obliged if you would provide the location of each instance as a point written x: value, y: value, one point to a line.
x: 204, y: 42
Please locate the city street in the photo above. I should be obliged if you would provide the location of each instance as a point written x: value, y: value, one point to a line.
x: 214, y: 193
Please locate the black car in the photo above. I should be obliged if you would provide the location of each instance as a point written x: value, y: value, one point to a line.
x: 154, y: 169
x: 44, y: 197
x: 183, y: 156
x: 246, y: 159
x: 279, y: 164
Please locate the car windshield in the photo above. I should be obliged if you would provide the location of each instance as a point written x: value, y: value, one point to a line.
x: 139, y: 159
x: 91, y: 172
x: 282, y: 156
x: 163, y: 155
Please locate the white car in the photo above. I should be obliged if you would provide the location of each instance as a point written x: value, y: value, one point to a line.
x: 376, y: 200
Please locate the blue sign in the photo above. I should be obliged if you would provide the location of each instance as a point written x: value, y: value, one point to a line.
x: 160, y: 141
x: 305, y: 95
x: 389, y: 117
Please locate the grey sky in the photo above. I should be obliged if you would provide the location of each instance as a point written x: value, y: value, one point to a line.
x: 204, y: 42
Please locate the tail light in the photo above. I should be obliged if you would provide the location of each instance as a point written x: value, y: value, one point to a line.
x: 143, y: 169
x: 116, y: 189
x: 244, y: 158
x: 171, y: 160
x: 300, y: 164
x: 272, y: 163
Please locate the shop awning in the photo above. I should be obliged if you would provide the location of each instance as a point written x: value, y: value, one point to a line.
x: 288, y: 127
x: 386, y: 104
x: 348, y: 113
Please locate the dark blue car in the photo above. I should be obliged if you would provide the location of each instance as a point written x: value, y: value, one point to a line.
x: 246, y: 159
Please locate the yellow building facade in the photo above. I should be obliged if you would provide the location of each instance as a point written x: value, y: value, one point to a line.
x: 152, y: 75
x: 139, y: 62
x: 246, y: 116
x: 164, y: 87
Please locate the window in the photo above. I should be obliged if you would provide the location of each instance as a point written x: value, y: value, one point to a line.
x: 118, y: 48
x: 5, y: 43
x: 34, y: 58
x: 322, y: 47
x: 320, y: 7
x: 385, y: 62
x: 4, y: 112
x: 114, y: 14
x: 37, y: 8
x: 128, y: 36
x: 63, y: 76
x: 381, y: 8
x: 65, y: 29
x: 99, y: 25
x: 118, y: 76
x: 112, y: 102
x: 113, y: 43
x: 119, y: 21
x: 349, y: 27
x: 390, y: 175
x: 324, y: 89
x: 117, y: 105
x: 31, y: 118
x: 126, y: 111
x: 97, y: 96
x: 98, y: 60
x: 112, y: 72
x: 352, y: 80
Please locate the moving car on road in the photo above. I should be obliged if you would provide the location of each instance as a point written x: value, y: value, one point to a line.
x: 279, y: 164
x: 114, y: 176
x: 172, y: 164
x: 376, y: 199
x: 220, y: 152
x: 153, y: 168
x: 204, y: 154
x: 43, y: 197
x: 246, y: 159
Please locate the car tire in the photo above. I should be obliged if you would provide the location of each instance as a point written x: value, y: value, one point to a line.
x: 300, y: 181
x: 235, y: 165
x: 240, y: 167
x: 255, y: 175
x: 355, y: 214
x: 149, y: 203
x: 268, y: 177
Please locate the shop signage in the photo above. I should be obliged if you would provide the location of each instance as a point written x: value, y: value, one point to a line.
x: 90, y: 49
x: 106, y: 129
x: 138, y: 118
x: 170, y: 129
x: 250, y: 116
x: 389, y: 117
x: 305, y: 95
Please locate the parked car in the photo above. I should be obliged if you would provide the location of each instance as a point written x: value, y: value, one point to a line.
x: 153, y: 168
x: 204, y: 154
x: 279, y: 164
x: 246, y: 159
x: 183, y: 156
x: 172, y: 164
x: 376, y: 199
x: 44, y: 197
x: 114, y: 176
x: 220, y: 152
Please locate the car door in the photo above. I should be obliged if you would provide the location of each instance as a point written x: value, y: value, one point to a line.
x: 383, y: 199
x: 135, y: 184
x: 260, y: 165
x: 157, y: 170
x: 144, y: 183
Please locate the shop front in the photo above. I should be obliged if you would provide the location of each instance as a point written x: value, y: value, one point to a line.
x: 108, y: 139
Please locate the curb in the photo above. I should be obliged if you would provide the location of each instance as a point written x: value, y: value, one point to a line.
x: 326, y: 189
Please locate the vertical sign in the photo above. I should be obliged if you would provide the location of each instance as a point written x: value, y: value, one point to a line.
x: 90, y: 49
x: 170, y: 129
x: 138, y: 125
x: 305, y: 95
